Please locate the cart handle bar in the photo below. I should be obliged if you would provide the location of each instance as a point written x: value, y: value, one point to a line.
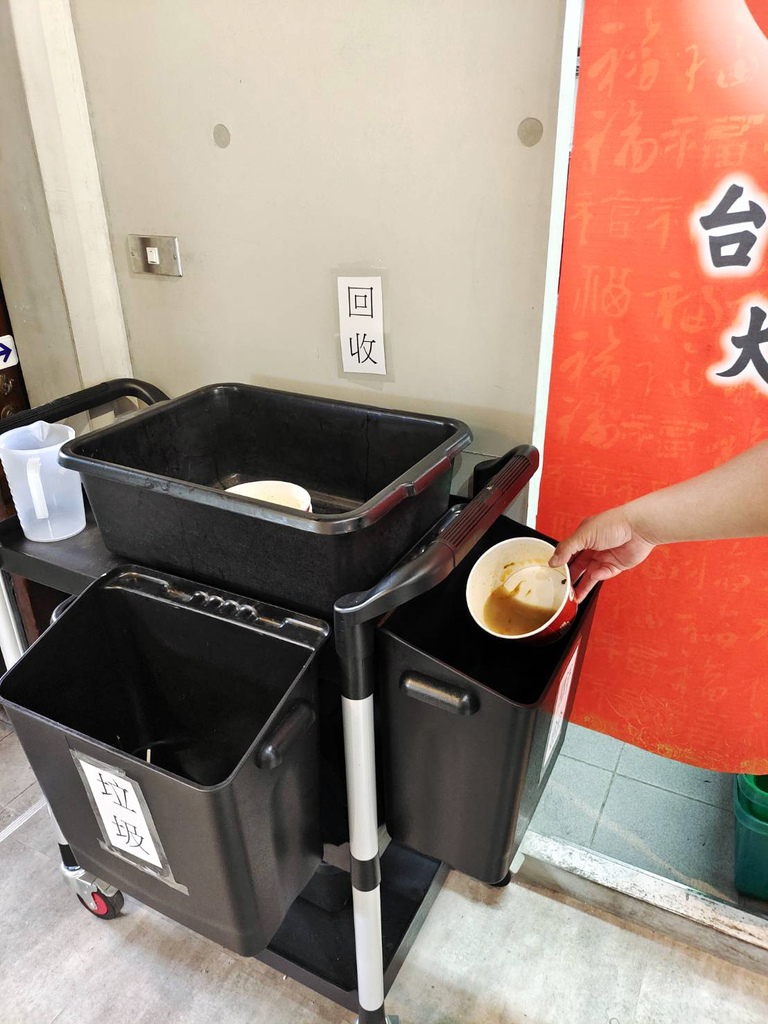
x: 431, y: 565
x: 82, y: 401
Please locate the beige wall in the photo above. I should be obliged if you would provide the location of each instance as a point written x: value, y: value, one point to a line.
x: 379, y: 133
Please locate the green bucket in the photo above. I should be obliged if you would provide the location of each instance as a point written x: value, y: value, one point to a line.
x: 751, y: 870
x: 754, y: 794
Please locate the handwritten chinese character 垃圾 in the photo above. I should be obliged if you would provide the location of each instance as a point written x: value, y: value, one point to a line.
x: 119, y: 793
x: 128, y: 833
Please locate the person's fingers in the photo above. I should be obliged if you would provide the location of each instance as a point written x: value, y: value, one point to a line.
x: 594, y: 574
x: 580, y: 564
x: 569, y: 547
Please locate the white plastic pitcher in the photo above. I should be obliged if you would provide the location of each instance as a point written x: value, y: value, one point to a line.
x: 48, y: 498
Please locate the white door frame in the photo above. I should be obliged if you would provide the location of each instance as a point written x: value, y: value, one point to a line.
x: 58, y: 112
x: 566, y: 110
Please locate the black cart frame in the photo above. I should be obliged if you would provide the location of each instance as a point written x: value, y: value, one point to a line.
x: 70, y: 566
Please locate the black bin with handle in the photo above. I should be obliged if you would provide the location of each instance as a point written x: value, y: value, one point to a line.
x: 173, y: 730
x: 472, y: 724
x: 378, y: 478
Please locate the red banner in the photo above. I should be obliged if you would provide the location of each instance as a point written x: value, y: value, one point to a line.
x: 660, y: 366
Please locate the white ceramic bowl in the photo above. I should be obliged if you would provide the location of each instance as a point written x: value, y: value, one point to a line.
x: 276, y: 492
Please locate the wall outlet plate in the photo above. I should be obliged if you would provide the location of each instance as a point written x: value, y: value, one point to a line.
x: 155, y: 254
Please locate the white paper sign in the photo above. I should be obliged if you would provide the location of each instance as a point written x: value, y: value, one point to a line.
x: 120, y: 809
x: 361, y: 325
x: 558, y: 712
x: 8, y: 354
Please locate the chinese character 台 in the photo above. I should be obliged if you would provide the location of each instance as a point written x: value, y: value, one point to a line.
x: 729, y: 229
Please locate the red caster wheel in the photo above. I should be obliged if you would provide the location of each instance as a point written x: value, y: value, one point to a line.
x: 107, y: 907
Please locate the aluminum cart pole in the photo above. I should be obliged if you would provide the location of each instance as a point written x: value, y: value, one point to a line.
x: 354, y: 619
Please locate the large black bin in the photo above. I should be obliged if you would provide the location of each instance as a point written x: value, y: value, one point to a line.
x: 378, y: 480
x: 172, y: 729
x: 472, y: 725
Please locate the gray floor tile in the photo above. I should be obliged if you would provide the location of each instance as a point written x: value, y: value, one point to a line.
x: 592, y: 747
x: 572, y: 801
x: 712, y: 787
x: 15, y: 773
x: 671, y: 835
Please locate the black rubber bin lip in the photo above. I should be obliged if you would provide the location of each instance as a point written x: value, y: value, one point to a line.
x: 75, y: 455
x: 282, y: 624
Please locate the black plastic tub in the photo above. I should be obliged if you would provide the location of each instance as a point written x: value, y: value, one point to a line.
x: 173, y: 732
x: 471, y: 724
x: 378, y: 479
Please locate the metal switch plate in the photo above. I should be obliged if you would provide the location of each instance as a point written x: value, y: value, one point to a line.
x: 155, y: 254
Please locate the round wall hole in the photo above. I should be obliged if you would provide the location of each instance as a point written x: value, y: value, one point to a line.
x: 221, y: 136
x: 530, y: 131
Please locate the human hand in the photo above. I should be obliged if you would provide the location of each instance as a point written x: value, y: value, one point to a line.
x: 603, y: 546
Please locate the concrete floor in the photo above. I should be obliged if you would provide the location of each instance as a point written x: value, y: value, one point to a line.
x: 512, y: 956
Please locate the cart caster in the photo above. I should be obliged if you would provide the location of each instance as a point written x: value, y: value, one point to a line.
x: 105, y: 907
x: 97, y: 896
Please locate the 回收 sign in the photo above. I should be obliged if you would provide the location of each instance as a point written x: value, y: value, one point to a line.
x: 361, y: 325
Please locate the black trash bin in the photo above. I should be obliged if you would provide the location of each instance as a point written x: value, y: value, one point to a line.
x: 378, y: 479
x: 472, y: 724
x: 173, y: 730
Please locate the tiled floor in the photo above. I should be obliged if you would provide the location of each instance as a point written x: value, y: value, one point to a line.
x: 484, y: 956
x: 669, y: 818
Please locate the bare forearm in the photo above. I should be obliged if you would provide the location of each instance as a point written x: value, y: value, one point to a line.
x: 729, y: 501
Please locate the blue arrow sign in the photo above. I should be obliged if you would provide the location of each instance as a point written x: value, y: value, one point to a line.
x: 8, y: 355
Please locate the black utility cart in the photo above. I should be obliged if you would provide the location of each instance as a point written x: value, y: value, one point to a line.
x: 281, y: 728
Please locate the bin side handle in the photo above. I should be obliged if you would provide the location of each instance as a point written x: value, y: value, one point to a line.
x: 284, y: 734
x: 433, y: 564
x: 82, y: 401
x: 439, y: 695
x: 518, y: 466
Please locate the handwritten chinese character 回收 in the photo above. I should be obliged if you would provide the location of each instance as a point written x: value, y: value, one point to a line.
x: 361, y: 325
x: 361, y: 348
